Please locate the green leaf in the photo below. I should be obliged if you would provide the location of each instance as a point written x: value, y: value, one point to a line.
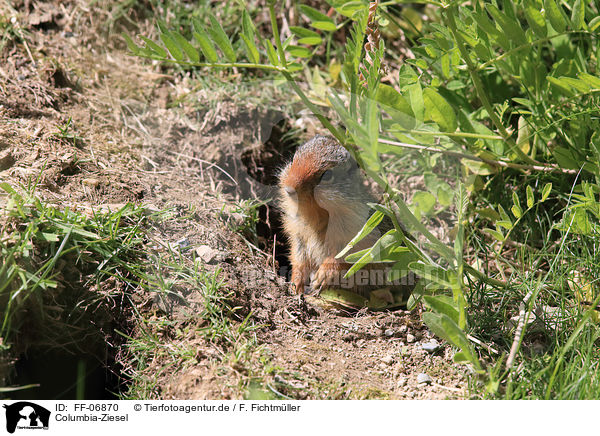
x: 220, y: 38
x: 432, y: 273
x: 530, y: 198
x: 157, y: 49
x: 515, y: 199
x: 565, y: 158
x: 458, y: 338
x: 248, y: 28
x: 438, y: 110
x: 132, y: 46
x: 517, y: 211
x: 313, y: 14
x: 534, y: 18
x: 183, y: 44
x: 172, y: 46
x: 592, y: 81
x: 369, y: 226
x: 271, y: 53
x: 206, y: 45
x: 594, y: 24
x: 546, y: 191
x: 578, y: 15
x: 417, y: 104
x: 378, y: 252
x: 327, y: 26
x: 442, y: 304
x: 423, y: 203
x: 511, y: 27
x: 562, y: 86
x: 495, y: 234
x: 306, y: 36
x: 299, y: 52
x: 555, y: 15
x: 251, y: 50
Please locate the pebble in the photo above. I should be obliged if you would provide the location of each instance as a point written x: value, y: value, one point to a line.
x: 402, y: 329
x: 208, y: 254
x: 388, y: 359
x: 183, y: 243
x: 401, y: 382
x: 423, y: 378
x: 410, y: 338
x: 431, y: 347
x: 389, y: 333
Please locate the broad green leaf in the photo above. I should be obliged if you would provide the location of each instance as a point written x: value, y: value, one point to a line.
x: 172, y: 46
x: 517, y: 211
x: 206, y: 45
x: 132, y: 46
x: 434, y: 322
x: 189, y: 50
x: 160, y: 52
x: 310, y: 40
x: 248, y: 28
x: 562, y: 86
x: 416, y: 100
x: 306, y: 36
x: 530, y: 198
x: 299, y: 52
x: 432, y: 273
x: 327, y: 26
x: 495, y: 234
x: 592, y: 81
x: 555, y: 15
x: 251, y: 50
x: 348, y: 9
x: 442, y: 304
x: 438, y: 110
x: 505, y: 224
x: 378, y: 252
x: 594, y: 24
x: 423, y: 203
x: 565, y: 158
x: 369, y: 226
x: 578, y: 15
x: 220, y: 38
x: 546, y: 191
x: 302, y: 32
x: 271, y: 53
x: 534, y: 18
x: 511, y: 27
x: 515, y: 199
x: 313, y: 14
x: 578, y: 85
x: 458, y: 338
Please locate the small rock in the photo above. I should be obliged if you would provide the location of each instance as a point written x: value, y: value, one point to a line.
x: 423, y: 378
x: 183, y: 243
x: 91, y: 182
x: 410, y: 338
x: 388, y: 359
x: 208, y: 254
x: 431, y: 346
x: 6, y: 160
x: 402, y: 329
x: 402, y: 382
x: 389, y: 333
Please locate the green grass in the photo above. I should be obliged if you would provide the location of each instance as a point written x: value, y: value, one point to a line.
x: 66, y: 274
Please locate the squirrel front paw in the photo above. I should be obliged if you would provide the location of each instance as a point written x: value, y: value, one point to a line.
x: 330, y: 274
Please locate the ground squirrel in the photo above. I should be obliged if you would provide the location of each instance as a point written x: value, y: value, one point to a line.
x: 325, y: 204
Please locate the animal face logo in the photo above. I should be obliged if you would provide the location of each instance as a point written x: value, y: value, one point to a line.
x: 26, y: 415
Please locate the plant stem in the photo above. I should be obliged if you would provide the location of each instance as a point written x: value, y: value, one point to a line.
x: 275, y: 29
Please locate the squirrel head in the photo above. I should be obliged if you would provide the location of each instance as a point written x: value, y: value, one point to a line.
x: 321, y: 179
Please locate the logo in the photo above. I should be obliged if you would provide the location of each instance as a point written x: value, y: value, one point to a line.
x: 26, y: 415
